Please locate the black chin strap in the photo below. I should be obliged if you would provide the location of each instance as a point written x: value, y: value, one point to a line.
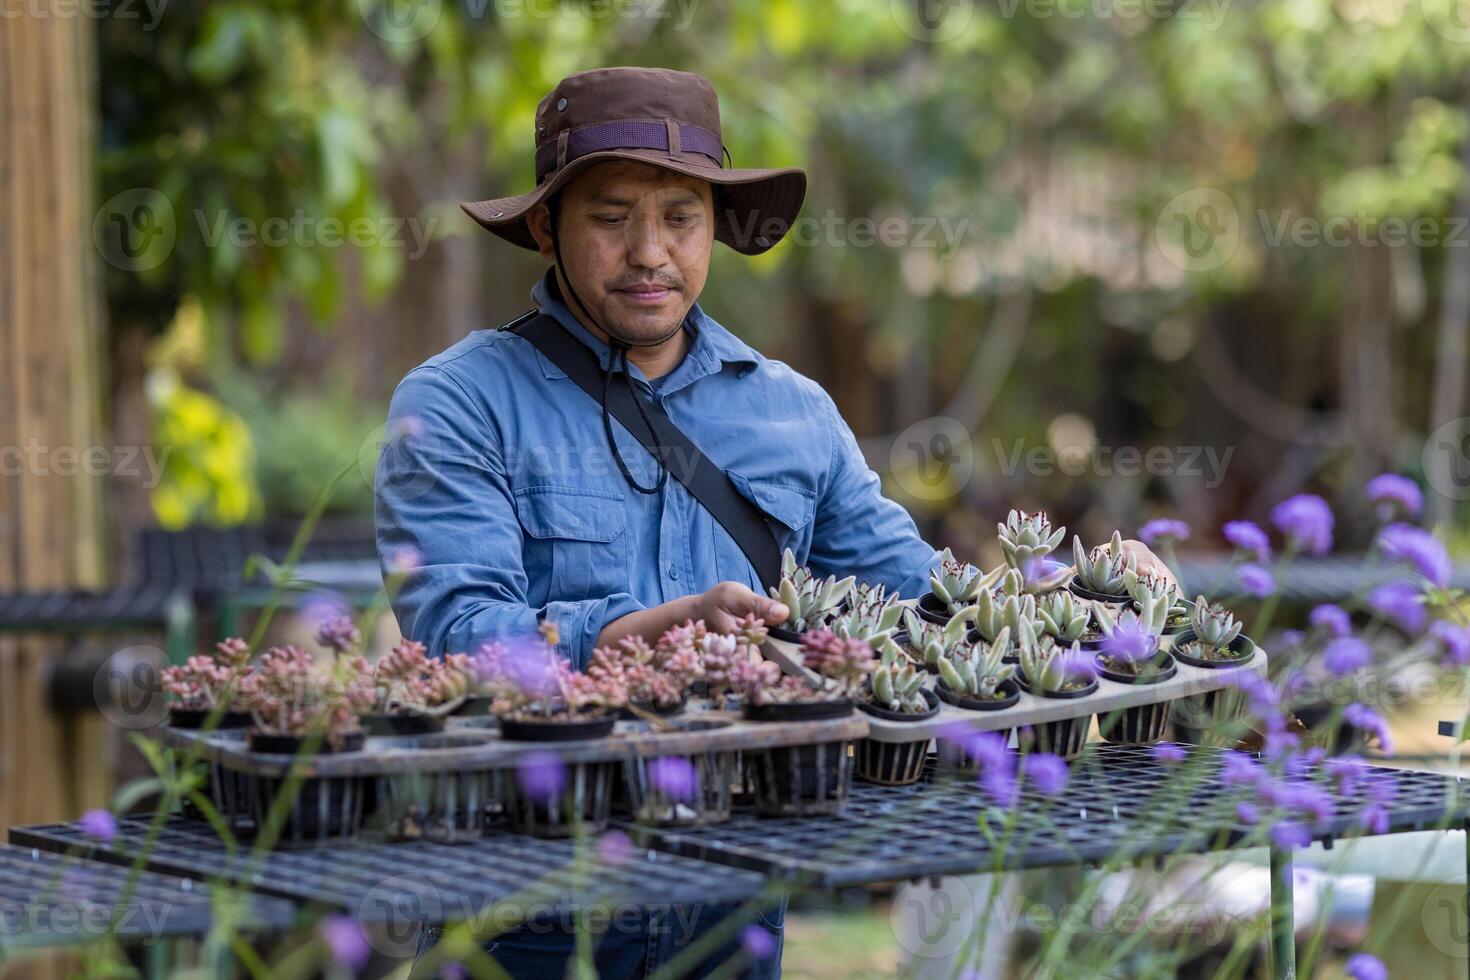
x: 617, y: 361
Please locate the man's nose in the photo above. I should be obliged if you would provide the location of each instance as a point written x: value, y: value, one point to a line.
x: 646, y: 245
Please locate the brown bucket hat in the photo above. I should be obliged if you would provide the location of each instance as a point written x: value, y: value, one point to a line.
x: 650, y: 115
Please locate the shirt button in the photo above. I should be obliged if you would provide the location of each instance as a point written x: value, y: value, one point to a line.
x: 673, y: 572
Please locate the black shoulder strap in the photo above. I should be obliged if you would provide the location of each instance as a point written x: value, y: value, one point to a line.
x: 746, y: 523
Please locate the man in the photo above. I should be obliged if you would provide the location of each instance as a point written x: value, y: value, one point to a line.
x: 526, y: 501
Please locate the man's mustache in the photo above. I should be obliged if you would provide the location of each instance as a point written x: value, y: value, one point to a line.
x: 661, y: 282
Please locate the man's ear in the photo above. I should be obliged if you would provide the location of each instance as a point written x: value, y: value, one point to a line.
x: 538, y: 220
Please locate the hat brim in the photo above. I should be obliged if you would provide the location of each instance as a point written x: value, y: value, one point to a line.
x: 757, y: 207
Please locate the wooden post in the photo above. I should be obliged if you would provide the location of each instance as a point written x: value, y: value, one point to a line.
x: 50, y: 768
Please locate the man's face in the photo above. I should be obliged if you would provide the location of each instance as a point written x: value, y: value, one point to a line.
x: 635, y: 242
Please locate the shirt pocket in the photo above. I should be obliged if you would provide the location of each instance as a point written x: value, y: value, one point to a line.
x: 792, y: 507
x: 576, y: 543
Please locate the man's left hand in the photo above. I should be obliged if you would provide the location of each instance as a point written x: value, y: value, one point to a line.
x: 1149, y: 562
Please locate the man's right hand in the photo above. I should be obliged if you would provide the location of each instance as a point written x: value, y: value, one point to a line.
x: 726, y: 602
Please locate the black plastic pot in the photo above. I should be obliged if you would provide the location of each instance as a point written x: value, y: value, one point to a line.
x: 442, y: 807
x: 228, y: 789
x: 193, y: 719
x: 586, y: 801
x: 1065, y: 737
x: 324, y: 809
x: 1171, y: 629
x: 1165, y: 663
x: 569, y: 730
x: 1208, y: 718
x: 1112, y: 600
x: 893, y: 763
x: 932, y: 610
x: 710, y: 799
x: 799, y: 780
x: 475, y: 706
x: 661, y: 710
x: 798, y: 711
x: 1242, y: 645
x: 1145, y: 723
x: 398, y: 724
x: 1011, y: 689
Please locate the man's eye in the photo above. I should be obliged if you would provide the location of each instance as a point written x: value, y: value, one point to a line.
x: 608, y: 219
x: 679, y: 220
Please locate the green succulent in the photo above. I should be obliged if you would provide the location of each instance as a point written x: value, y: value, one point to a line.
x: 931, y: 641
x: 1150, y: 610
x: 1214, y: 625
x: 810, y: 600
x: 993, y: 614
x: 958, y: 583
x: 899, y: 687
x: 1049, y: 666
x: 977, y: 671
x: 1102, y: 569
x: 873, y: 614
x: 1025, y: 538
x: 1063, y: 616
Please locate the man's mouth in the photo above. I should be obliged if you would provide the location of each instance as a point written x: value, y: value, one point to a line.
x: 646, y: 293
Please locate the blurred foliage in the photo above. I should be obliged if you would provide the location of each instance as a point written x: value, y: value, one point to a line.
x: 1052, y: 135
x: 207, y: 475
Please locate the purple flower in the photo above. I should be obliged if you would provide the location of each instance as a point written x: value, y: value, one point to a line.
x: 1345, y: 655
x: 338, y: 634
x: 999, y: 783
x: 1415, y: 546
x: 1370, y: 722
x: 1248, y: 813
x: 1454, y: 641
x: 614, y: 848
x: 1248, y: 536
x: 1047, y: 773
x: 1302, y: 799
x: 1399, y: 603
x: 1078, y: 666
x: 1292, y: 638
x: 1333, y: 619
x: 1238, y: 769
x: 757, y: 942
x: 453, y: 971
x: 1374, y: 819
x: 675, y: 777
x: 1394, y: 496
x: 345, y: 940
x: 1306, y: 520
x: 542, y: 776
x: 1290, y: 833
x: 404, y: 558
x: 100, y: 825
x: 1346, y: 770
x: 1163, y: 531
x: 1130, y: 641
x: 1256, y: 580
x: 1365, y: 966
x: 1169, y: 752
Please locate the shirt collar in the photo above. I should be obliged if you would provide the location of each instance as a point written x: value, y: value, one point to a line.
x: 712, y: 345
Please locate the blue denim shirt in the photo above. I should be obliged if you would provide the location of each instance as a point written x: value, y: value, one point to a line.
x: 497, y: 477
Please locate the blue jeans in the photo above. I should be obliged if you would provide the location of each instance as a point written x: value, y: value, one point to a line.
x: 542, y: 951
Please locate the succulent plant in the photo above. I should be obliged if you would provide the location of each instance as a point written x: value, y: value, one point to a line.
x: 659, y: 673
x: 204, y: 681
x: 843, y: 664
x: 1150, y: 612
x: 978, y: 671
x: 1130, y: 638
x: 1161, y: 590
x: 1214, y: 625
x: 993, y: 613
x: 899, y: 686
x: 958, y: 583
x: 1050, y: 668
x: 872, y: 616
x: 722, y: 654
x: 810, y: 600
x: 1102, y: 569
x: 1026, y: 538
x: 407, y: 681
x: 287, y: 694
x: 929, y: 641
x: 536, y: 683
x: 1063, y: 616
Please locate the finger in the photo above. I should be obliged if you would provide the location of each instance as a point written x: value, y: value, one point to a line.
x: 772, y: 611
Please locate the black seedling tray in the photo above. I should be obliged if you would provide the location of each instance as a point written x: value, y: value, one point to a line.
x: 1119, y: 802
x: 51, y: 899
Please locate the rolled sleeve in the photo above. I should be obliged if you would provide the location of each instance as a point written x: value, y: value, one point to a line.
x: 859, y: 531
x: 444, y: 512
